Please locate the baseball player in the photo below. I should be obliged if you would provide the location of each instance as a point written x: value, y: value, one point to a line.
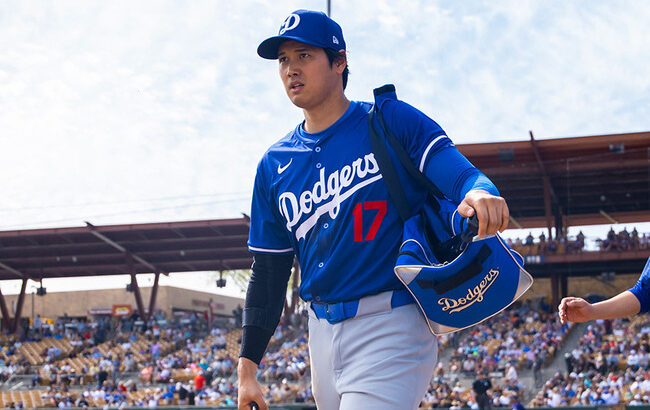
x: 627, y: 303
x: 319, y: 196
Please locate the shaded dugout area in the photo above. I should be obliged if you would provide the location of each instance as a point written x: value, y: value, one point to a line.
x: 552, y: 183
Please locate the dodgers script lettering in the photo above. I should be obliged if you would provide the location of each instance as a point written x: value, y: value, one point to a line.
x: 294, y: 207
x: 474, y: 294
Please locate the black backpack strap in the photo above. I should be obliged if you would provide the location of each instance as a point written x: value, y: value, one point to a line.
x: 388, y: 173
x: 406, y: 161
x: 387, y: 92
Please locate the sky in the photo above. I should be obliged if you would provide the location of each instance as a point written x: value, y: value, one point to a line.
x: 132, y: 112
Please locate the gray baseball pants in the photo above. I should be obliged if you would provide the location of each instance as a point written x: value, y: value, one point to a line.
x: 381, y: 359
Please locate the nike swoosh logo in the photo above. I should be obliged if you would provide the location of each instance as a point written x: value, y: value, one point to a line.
x: 281, y: 169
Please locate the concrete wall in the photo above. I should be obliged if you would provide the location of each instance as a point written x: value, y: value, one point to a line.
x: 78, y: 303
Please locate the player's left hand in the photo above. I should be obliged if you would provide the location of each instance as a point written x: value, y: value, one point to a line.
x: 492, y: 211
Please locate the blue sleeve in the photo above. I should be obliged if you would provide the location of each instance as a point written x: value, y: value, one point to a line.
x: 465, y: 177
x: 433, y: 152
x: 642, y: 289
x: 418, y: 134
x: 267, y: 233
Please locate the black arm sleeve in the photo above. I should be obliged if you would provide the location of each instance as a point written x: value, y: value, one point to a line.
x: 265, y: 297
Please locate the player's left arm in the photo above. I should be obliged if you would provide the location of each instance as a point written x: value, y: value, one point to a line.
x: 437, y: 157
x: 459, y: 180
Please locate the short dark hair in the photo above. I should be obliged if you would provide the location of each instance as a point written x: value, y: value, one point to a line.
x: 333, y: 55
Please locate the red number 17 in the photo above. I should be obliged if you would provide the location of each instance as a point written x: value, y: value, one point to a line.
x: 380, y: 206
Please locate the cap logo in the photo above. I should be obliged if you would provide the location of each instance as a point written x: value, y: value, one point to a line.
x: 335, y: 40
x: 290, y: 23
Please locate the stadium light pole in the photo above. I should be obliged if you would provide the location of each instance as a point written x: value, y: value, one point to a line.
x: 33, y: 293
x: 329, y: 8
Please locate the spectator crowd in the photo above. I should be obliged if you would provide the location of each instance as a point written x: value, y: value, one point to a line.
x: 614, y: 242
x: 609, y: 366
x: 183, y: 361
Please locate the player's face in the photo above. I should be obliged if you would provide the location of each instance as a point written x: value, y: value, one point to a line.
x: 308, y: 78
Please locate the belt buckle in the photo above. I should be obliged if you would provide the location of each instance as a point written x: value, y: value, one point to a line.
x: 334, y: 312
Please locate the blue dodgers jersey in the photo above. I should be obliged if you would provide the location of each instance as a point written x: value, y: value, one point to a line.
x: 322, y: 197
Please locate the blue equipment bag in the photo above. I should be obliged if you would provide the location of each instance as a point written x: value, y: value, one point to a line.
x: 457, y: 279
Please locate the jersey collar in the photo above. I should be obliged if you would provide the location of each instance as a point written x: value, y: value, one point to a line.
x: 312, y: 139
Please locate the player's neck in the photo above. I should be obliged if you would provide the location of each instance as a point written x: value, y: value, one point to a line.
x: 319, y: 118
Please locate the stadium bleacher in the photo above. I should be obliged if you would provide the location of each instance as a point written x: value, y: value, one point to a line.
x: 511, y: 340
x: 608, y: 367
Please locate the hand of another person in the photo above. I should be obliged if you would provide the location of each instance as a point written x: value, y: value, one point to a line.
x: 574, y: 309
x: 492, y: 211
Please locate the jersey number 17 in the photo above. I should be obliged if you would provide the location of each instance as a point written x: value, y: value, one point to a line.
x: 380, y: 207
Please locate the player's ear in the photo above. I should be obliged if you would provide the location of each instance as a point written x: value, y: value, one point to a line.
x: 341, y: 61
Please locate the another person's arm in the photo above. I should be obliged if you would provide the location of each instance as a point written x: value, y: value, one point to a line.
x: 578, y: 310
x: 630, y: 302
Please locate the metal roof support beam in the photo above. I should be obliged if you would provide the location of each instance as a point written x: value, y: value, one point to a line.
x: 547, y: 208
x: 608, y: 217
x: 12, y: 270
x: 515, y: 222
x: 5, y: 312
x: 19, y: 306
x: 555, y: 290
x: 559, y: 224
x: 152, y: 297
x: 549, y: 192
x: 121, y: 248
x: 135, y: 288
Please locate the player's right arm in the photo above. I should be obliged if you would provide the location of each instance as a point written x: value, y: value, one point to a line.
x: 263, y: 307
x: 267, y: 288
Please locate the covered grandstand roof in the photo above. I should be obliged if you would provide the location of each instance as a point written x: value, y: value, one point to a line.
x: 601, y: 179
x: 103, y: 250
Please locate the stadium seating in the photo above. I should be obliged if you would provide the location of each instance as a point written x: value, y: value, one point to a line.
x: 608, y: 367
x: 30, y: 398
x: 516, y: 337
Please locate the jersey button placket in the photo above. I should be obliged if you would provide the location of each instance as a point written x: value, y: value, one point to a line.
x: 316, y: 157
